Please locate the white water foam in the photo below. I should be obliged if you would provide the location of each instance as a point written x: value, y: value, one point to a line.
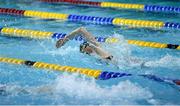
x: 167, y: 61
x: 86, y: 91
x: 124, y: 92
x: 63, y: 51
x: 122, y: 52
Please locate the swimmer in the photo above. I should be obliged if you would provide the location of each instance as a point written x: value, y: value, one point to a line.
x: 90, y: 46
x: 6, y: 90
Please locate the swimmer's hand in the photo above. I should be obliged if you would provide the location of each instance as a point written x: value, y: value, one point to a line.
x: 61, y: 42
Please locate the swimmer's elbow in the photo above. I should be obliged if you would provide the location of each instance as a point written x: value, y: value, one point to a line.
x: 81, y: 29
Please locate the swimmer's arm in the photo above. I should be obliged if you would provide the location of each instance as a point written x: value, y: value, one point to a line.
x: 71, y: 35
x: 104, y: 54
x: 101, y: 52
x: 88, y: 36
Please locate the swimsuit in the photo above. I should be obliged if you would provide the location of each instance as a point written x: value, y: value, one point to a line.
x: 109, y: 57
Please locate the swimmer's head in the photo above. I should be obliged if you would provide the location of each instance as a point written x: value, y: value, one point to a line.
x: 85, y: 48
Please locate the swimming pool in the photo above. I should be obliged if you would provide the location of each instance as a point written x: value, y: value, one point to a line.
x: 28, y: 85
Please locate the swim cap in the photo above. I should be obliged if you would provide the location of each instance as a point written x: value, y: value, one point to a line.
x: 83, y: 46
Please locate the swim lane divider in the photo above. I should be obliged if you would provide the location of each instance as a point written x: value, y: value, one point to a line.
x: 52, y: 35
x: 98, y: 74
x: 142, y: 7
x: 92, y: 19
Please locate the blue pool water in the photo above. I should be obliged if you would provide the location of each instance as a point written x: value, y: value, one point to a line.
x: 26, y: 85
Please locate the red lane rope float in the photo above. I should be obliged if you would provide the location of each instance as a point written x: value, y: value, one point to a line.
x: 12, y: 11
x: 141, y: 7
x: 75, y: 2
x: 93, y: 19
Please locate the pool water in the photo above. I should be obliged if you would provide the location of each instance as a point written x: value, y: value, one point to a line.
x: 25, y: 85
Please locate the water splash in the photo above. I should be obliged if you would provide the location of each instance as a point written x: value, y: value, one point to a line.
x: 124, y: 92
x: 167, y: 61
x: 63, y: 51
x: 122, y: 52
x: 76, y: 90
x: 119, y: 48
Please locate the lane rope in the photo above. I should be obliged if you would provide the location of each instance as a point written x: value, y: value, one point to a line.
x: 141, y: 7
x: 42, y: 65
x: 97, y: 74
x: 92, y: 19
x: 51, y: 35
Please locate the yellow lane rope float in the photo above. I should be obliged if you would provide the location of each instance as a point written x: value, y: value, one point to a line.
x: 92, y: 19
x: 51, y: 35
x: 42, y: 65
x: 98, y: 74
x: 142, y: 7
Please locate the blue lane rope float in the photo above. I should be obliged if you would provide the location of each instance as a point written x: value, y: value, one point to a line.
x: 141, y: 7
x: 51, y: 35
x: 157, y: 8
x: 93, y: 19
x: 98, y: 74
x: 111, y: 75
